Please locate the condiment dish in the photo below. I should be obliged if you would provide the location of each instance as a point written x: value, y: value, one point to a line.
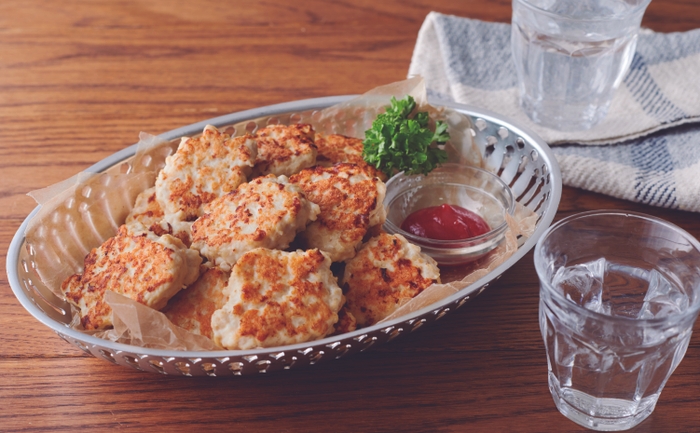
x: 471, y: 188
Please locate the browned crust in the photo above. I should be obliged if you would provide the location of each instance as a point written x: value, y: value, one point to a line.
x: 374, y: 292
x: 346, y: 209
x: 131, y: 265
x: 192, y: 308
x: 147, y: 209
x: 278, y: 144
x: 337, y: 148
x: 346, y: 322
x: 210, y: 181
x: 303, y: 296
x: 220, y: 225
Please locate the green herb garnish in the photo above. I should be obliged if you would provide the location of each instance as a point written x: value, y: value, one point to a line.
x: 399, y: 143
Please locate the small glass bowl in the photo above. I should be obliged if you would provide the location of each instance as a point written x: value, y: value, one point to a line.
x: 474, y: 189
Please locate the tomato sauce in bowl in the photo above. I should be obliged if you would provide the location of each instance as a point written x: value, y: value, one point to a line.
x: 456, y: 214
x: 446, y: 222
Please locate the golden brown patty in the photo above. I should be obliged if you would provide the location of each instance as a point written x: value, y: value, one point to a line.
x: 351, y: 202
x: 145, y: 268
x: 346, y: 322
x: 192, y: 307
x: 386, y: 272
x: 285, y: 150
x: 146, y: 210
x: 147, y: 215
x: 278, y: 298
x: 265, y: 212
x: 201, y: 170
x: 336, y: 148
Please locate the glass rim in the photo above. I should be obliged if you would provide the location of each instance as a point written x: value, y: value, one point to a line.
x: 641, y: 7
x: 540, y: 266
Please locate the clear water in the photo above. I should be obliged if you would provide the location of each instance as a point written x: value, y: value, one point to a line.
x: 608, y: 374
x: 569, y: 69
x: 621, y: 290
x: 603, y: 414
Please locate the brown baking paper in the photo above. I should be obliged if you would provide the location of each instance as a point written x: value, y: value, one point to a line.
x: 82, y: 212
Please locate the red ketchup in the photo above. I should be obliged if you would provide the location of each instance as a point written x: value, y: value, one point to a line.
x: 445, y: 222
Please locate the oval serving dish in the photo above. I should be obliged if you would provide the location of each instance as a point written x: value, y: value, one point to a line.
x: 520, y: 158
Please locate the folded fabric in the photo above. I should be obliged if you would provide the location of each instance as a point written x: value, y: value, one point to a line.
x: 642, y: 152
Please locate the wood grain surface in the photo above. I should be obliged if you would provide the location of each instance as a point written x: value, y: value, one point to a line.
x: 80, y: 79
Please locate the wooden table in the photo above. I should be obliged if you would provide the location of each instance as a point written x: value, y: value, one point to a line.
x: 79, y: 80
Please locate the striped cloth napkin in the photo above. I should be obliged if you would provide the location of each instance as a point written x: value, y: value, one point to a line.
x: 646, y: 150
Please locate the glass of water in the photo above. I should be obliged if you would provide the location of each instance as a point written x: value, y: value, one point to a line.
x: 619, y: 293
x: 571, y: 55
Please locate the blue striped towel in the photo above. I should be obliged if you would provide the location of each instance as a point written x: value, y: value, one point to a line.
x: 642, y: 151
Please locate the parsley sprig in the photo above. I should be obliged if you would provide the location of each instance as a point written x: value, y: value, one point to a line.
x: 399, y: 143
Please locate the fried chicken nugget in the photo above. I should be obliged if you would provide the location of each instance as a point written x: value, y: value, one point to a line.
x: 146, y: 268
x: 193, y: 307
x: 285, y: 150
x: 266, y: 212
x: 336, y: 148
x: 351, y: 202
x: 346, y: 322
x: 201, y: 170
x: 386, y: 272
x: 278, y: 298
x: 147, y: 215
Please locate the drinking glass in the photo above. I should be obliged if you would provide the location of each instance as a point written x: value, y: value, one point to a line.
x: 571, y: 55
x: 619, y: 293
